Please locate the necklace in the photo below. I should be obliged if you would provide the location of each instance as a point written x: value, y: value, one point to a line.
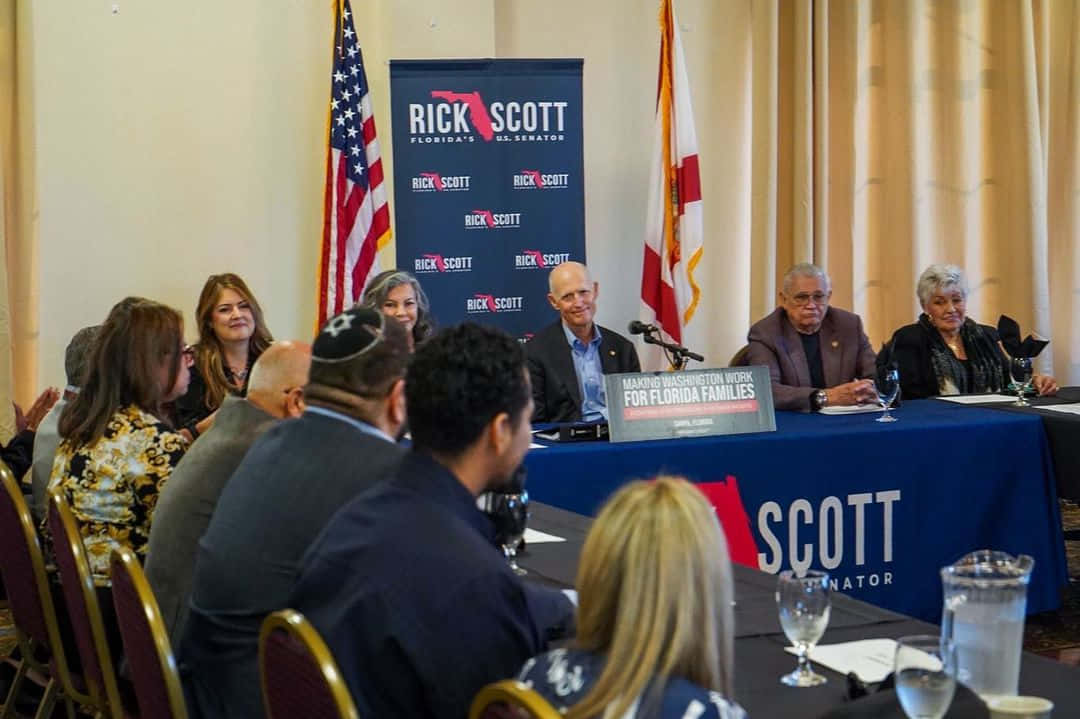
x: 239, y: 374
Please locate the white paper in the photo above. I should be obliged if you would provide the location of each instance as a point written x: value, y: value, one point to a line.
x: 978, y: 398
x: 851, y: 409
x: 1067, y: 408
x: 870, y: 659
x: 532, y: 536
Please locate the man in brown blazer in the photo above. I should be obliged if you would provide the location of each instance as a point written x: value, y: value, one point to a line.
x: 818, y: 356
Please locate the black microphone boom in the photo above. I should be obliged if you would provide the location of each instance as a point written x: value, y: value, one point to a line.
x: 637, y: 327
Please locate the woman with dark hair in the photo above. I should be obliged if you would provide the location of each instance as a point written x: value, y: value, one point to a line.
x: 232, y: 335
x: 117, y: 446
x: 397, y: 294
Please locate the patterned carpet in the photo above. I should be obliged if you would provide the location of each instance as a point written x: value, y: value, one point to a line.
x: 1057, y: 634
x: 1053, y: 634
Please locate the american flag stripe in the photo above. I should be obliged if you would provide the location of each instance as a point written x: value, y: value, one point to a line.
x: 356, y: 224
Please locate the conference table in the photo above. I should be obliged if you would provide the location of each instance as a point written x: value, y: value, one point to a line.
x: 881, y: 506
x: 760, y: 658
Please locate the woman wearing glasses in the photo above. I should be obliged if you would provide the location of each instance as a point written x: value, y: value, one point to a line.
x: 946, y: 352
x: 232, y: 335
x: 117, y: 446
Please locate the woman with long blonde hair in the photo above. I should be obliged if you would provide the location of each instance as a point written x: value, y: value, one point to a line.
x: 654, y: 620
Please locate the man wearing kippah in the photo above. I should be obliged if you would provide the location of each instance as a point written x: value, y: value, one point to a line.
x: 406, y: 585
x: 282, y: 495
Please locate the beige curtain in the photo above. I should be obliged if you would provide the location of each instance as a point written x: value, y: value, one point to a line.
x: 890, y: 134
x: 9, y: 201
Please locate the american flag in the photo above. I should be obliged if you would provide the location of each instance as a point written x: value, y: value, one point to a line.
x: 356, y: 218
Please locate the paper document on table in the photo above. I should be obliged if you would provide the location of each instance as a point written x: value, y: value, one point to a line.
x: 978, y: 398
x: 1066, y: 408
x: 870, y: 659
x: 532, y: 536
x: 851, y: 409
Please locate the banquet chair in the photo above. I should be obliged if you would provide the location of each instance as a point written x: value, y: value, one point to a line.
x: 739, y: 359
x: 88, y: 626
x: 298, y: 673
x: 41, y: 651
x: 510, y: 699
x: 146, y: 640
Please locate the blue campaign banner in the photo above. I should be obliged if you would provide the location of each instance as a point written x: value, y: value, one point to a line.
x: 488, y: 184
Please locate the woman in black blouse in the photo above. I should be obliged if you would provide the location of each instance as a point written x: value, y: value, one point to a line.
x: 946, y: 352
x: 232, y: 335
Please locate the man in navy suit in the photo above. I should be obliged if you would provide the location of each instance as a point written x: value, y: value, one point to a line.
x: 818, y: 356
x: 568, y: 359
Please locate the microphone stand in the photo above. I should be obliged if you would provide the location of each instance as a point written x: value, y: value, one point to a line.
x: 679, y: 354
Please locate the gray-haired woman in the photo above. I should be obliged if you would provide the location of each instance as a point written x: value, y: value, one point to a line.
x: 946, y: 352
x: 398, y: 294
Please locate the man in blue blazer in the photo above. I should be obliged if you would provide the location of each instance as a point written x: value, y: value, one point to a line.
x: 818, y: 356
x: 568, y: 359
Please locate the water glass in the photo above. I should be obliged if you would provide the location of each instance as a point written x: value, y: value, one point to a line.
x: 888, y: 387
x: 803, y: 603
x: 1022, y: 371
x: 925, y: 667
x: 510, y: 513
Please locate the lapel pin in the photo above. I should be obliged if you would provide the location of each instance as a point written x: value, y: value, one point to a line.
x: 611, y: 352
x: 835, y: 344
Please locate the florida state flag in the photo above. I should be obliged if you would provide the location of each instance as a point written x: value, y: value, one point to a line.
x: 670, y: 291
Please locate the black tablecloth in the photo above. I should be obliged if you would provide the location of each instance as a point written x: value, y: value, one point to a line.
x: 1063, y: 435
x: 760, y: 658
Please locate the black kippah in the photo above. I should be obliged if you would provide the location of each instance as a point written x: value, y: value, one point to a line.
x: 348, y: 335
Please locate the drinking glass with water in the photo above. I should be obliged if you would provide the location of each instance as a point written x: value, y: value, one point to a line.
x: 804, y: 604
x: 925, y: 667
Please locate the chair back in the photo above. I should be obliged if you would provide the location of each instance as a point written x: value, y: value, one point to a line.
x: 146, y: 641
x: 298, y: 673
x: 22, y: 568
x: 508, y: 699
x: 86, y: 622
x: 739, y: 359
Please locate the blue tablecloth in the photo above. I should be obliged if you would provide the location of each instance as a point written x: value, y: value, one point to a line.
x: 903, y: 499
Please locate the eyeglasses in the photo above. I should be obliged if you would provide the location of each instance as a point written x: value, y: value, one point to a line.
x: 802, y: 299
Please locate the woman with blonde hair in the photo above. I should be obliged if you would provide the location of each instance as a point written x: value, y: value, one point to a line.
x: 654, y: 620
x: 232, y: 335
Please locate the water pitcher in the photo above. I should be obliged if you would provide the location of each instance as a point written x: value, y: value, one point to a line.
x: 983, y: 613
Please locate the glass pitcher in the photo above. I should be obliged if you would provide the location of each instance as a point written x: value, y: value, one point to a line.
x: 983, y: 613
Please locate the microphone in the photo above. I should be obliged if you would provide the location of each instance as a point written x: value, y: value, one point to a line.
x: 637, y: 327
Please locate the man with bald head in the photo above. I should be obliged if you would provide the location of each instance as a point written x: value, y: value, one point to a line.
x: 292, y: 480
x: 568, y: 359
x: 186, y: 503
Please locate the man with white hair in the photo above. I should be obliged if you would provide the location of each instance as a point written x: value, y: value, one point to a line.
x: 569, y: 358
x: 818, y: 356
